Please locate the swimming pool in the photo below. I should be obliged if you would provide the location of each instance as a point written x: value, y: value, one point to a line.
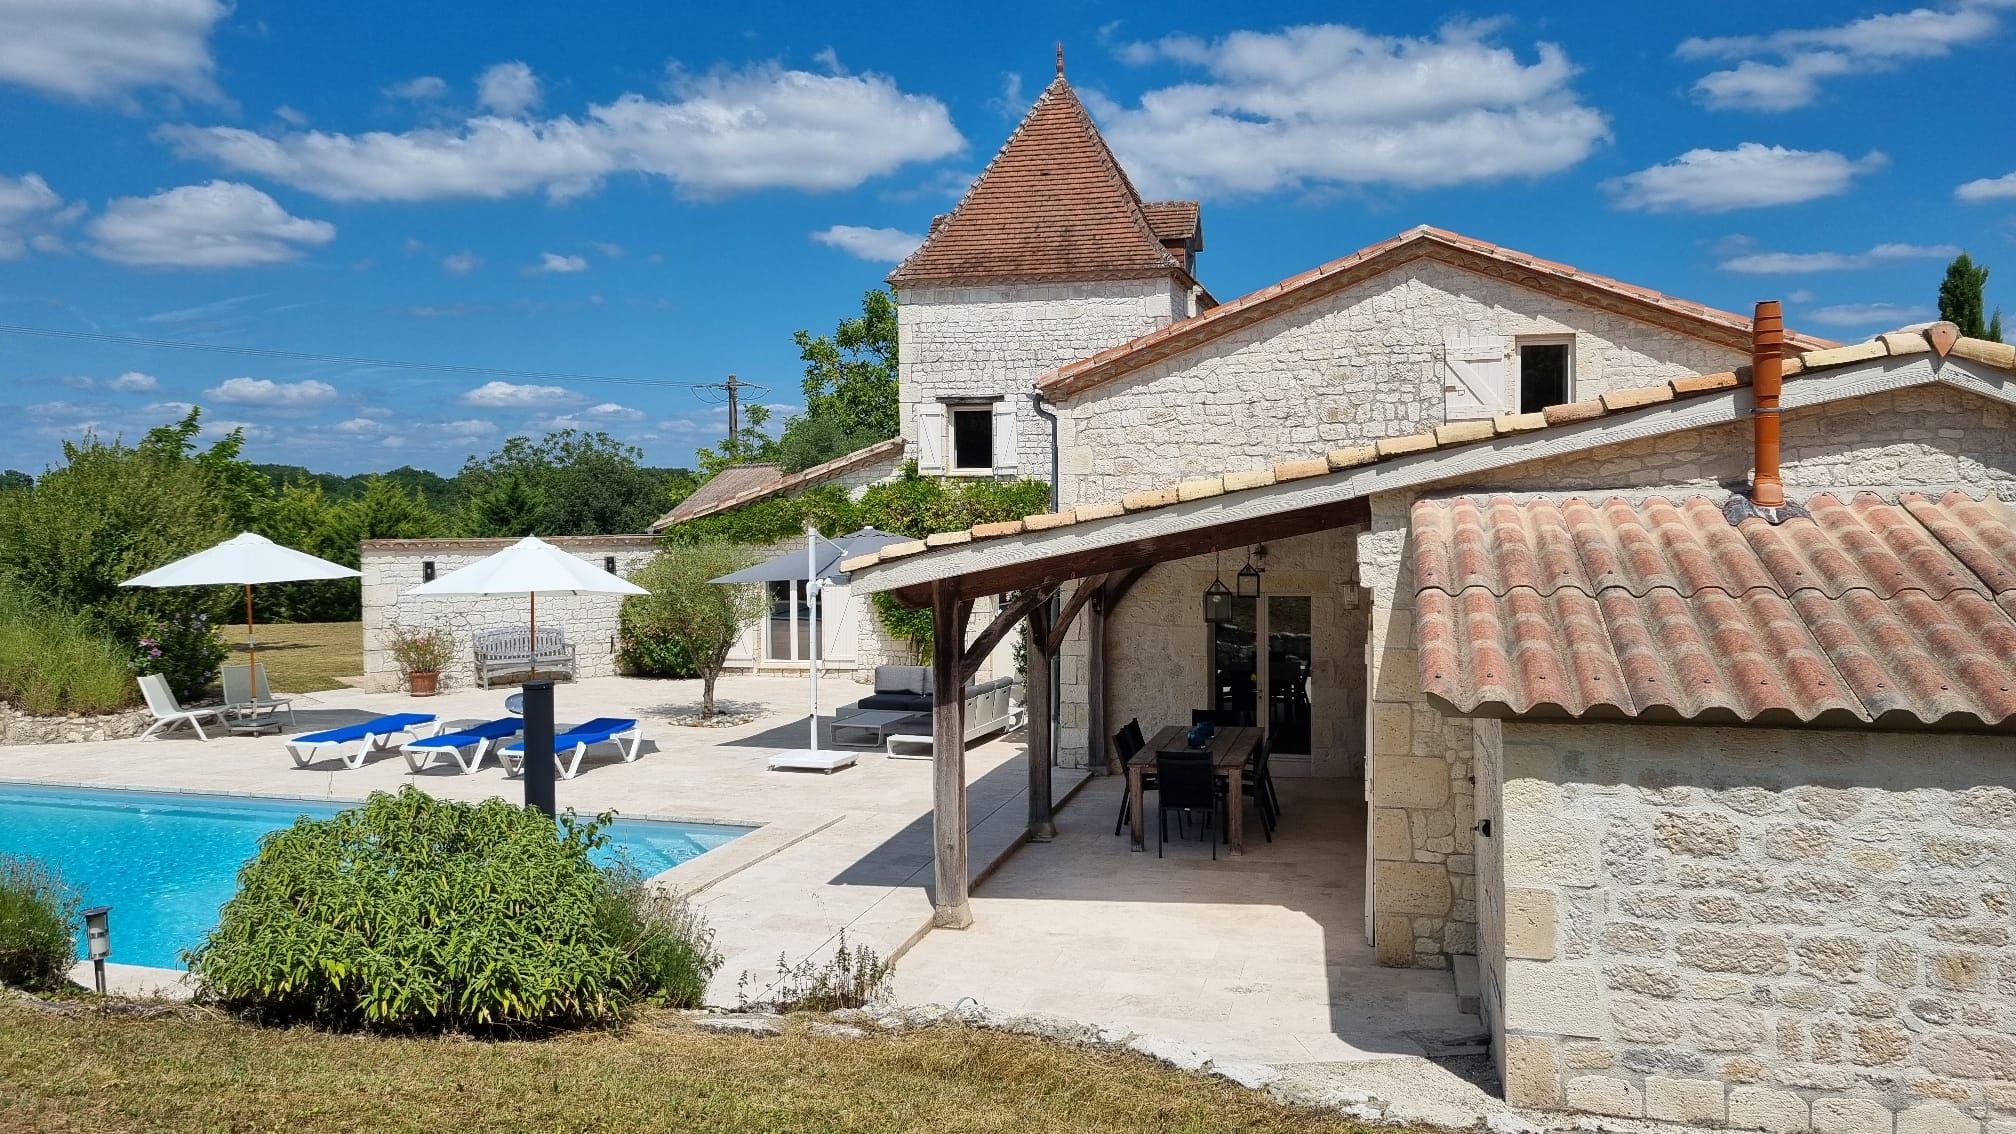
x: 166, y: 862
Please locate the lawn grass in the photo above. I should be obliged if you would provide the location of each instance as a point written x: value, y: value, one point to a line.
x: 94, y: 1072
x: 302, y: 657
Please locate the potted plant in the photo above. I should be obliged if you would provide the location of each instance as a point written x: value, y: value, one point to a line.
x: 420, y: 653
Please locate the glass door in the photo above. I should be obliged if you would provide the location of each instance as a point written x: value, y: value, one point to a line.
x: 788, y: 629
x: 1244, y: 677
x: 1235, y: 668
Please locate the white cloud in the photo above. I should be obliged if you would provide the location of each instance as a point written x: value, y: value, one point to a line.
x: 1785, y: 263
x: 468, y: 427
x: 611, y: 250
x: 1010, y: 103
x: 290, y: 116
x: 267, y: 392
x: 421, y: 89
x: 510, y: 395
x: 30, y: 214
x: 594, y: 417
x: 1879, y: 315
x: 1799, y: 295
x: 104, y: 50
x: 223, y: 224
x: 555, y: 262
x: 716, y: 134
x: 134, y: 382
x: 1802, y: 57
x: 1747, y: 177
x: 461, y: 263
x: 509, y: 89
x: 1981, y: 189
x: 883, y: 244
x: 1329, y: 104
x: 358, y: 426
x: 77, y: 381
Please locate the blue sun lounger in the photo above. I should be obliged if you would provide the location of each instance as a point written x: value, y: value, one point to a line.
x: 370, y: 736
x: 568, y: 746
x: 477, y: 738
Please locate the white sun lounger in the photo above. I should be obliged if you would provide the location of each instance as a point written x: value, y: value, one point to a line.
x: 168, y: 712
x: 370, y: 736
x: 569, y: 746
x: 476, y: 739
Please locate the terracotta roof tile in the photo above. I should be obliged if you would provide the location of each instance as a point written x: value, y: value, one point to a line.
x: 1174, y: 220
x: 749, y: 488
x: 1365, y: 263
x: 1889, y: 613
x: 1053, y: 204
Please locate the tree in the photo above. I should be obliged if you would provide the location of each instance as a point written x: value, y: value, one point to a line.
x: 702, y: 618
x: 1963, y: 302
x: 14, y: 479
x: 585, y: 484
x: 748, y: 445
x: 850, y: 387
x: 513, y: 506
x: 385, y: 511
x: 238, y: 486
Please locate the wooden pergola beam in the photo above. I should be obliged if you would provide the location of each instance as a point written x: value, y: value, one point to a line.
x: 1112, y: 588
x: 983, y: 644
x: 1086, y: 589
x: 948, y: 756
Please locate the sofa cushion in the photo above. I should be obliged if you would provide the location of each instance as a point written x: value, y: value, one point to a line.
x: 990, y: 686
x: 903, y: 679
x: 896, y: 703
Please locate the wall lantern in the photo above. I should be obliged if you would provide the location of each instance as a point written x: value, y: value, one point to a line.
x: 609, y: 564
x: 98, y: 940
x: 426, y: 570
x: 1217, y: 597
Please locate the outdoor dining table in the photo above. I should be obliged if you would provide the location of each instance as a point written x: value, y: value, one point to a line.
x: 1231, y: 749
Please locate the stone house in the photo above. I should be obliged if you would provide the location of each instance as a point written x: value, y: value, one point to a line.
x: 393, y: 566
x: 1720, y: 796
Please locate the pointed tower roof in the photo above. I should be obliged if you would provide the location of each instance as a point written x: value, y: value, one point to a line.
x: 1053, y: 205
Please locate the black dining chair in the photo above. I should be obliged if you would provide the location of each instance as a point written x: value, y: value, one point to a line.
x: 1186, y: 782
x: 1127, y: 742
x: 1223, y: 718
x: 1258, y: 786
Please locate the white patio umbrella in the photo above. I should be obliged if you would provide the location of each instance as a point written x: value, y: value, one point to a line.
x: 530, y: 567
x: 243, y: 560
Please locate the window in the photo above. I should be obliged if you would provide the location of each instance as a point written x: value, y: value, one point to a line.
x: 790, y: 621
x: 1545, y: 373
x: 609, y: 564
x: 426, y: 570
x: 973, y: 438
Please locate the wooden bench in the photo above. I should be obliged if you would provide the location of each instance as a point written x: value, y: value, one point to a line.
x: 508, y: 650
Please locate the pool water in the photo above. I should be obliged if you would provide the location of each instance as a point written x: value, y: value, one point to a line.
x: 166, y: 862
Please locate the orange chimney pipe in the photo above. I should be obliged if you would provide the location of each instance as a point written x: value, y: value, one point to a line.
x: 1767, y: 373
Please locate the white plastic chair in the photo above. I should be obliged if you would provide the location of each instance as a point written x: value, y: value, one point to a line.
x: 169, y: 712
x: 240, y: 699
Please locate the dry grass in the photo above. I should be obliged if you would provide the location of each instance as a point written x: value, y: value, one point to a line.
x: 91, y: 1072
x: 303, y: 657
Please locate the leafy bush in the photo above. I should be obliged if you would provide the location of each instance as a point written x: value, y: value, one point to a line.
x: 184, y: 648
x: 420, y: 649
x: 412, y: 913
x: 53, y: 662
x: 850, y: 978
x: 38, y: 920
x: 704, y: 618
x: 645, y: 650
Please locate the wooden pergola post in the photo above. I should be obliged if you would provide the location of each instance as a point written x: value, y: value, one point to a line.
x: 1042, y: 827
x: 948, y: 755
x: 1095, y: 683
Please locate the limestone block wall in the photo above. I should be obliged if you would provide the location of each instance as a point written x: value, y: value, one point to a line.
x: 1345, y: 370
x: 1773, y: 929
x: 1158, y: 664
x: 984, y: 341
x: 1423, y: 800
x: 393, y: 566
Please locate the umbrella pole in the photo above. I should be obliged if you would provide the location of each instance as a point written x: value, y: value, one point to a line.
x: 251, y: 645
x: 533, y: 626
x: 812, y: 613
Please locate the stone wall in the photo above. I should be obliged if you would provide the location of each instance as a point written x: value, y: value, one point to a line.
x: 1158, y: 663
x: 987, y: 341
x: 1773, y: 929
x: 392, y: 567
x: 17, y: 727
x: 1345, y: 370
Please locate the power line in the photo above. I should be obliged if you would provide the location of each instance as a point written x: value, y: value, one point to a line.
x: 344, y: 360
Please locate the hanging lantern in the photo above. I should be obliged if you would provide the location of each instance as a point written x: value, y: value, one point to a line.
x: 1249, y: 578
x: 1217, y: 596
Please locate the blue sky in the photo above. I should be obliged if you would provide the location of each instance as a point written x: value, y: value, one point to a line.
x: 665, y: 192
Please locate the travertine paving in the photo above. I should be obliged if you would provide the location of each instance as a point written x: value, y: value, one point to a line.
x: 1259, y: 959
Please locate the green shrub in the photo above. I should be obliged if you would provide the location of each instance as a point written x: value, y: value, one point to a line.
x: 645, y: 650
x: 412, y: 913
x: 184, y: 648
x: 53, y: 662
x: 853, y: 977
x: 38, y: 924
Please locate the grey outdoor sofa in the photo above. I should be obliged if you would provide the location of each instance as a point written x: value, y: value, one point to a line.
x: 507, y: 650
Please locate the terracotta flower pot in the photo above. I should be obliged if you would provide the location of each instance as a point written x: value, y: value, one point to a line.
x: 422, y: 684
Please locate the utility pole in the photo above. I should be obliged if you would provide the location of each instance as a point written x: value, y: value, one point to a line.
x: 734, y: 387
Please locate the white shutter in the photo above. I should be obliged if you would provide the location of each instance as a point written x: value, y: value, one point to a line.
x: 930, y: 438
x: 1473, y: 386
x: 1004, y: 437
